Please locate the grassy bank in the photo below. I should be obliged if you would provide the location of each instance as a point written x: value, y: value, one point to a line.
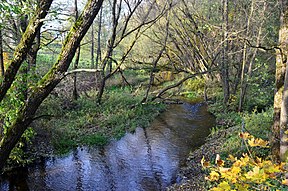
x: 225, y: 141
x: 83, y: 122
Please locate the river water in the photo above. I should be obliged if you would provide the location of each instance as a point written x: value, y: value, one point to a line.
x: 148, y: 159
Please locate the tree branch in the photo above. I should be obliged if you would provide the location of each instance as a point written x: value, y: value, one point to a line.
x: 179, y: 83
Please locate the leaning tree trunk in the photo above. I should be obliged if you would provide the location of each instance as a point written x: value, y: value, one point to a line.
x: 23, y: 47
x: 282, y: 55
x: 1, y: 55
x: 76, y: 63
x: 26, y: 113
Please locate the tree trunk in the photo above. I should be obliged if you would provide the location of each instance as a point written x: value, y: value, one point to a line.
x: 76, y: 63
x: 32, y: 54
x: 225, y: 65
x: 284, y: 120
x: 245, y: 58
x: 281, y: 59
x: 1, y: 55
x: 24, y: 46
x: 98, y: 57
x: 49, y: 81
x: 92, y: 47
x: 109, y: 52
x: 244, y: 81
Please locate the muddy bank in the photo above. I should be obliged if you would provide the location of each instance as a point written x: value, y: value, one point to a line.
x: 192, y: 174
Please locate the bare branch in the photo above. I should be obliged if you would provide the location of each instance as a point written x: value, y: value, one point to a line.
x: 179, y: 83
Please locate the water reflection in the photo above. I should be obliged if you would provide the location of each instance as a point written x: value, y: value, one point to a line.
x: 146, y: 160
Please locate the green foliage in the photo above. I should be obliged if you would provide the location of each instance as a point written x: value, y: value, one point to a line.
x: 260, y: 87
x: 258, y: 124
x: 195, y: 84
x: 9, y: 110
x: 224, y: 117
x: 86, y: 123
x: 18, y: 155
x: 251, y: 171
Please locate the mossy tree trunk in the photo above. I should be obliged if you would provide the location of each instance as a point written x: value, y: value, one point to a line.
x: 26, y: 113
x: 1, y: 55
x: 281, y: 61
x: 23, y: 47
x: 76, y: 62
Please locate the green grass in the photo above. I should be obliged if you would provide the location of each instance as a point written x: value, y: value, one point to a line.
x: 257, y: 124
x: 87, y: 123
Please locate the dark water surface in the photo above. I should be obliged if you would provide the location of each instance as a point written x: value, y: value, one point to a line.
x: 148, y: 159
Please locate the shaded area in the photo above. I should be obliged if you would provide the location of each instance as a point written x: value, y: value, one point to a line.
x: 148, y: 159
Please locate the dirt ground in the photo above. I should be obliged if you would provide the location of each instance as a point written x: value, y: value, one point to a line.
x: 193, y: 175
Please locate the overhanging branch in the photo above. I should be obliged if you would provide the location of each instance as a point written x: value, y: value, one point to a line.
x: 179, y: 83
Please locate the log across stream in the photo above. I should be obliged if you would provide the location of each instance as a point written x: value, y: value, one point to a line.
x: 148, y: 159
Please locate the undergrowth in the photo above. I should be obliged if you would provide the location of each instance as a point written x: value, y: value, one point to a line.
x: 83, y: 122
x: 244, y: 159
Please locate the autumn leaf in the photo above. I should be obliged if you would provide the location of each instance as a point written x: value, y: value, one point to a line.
x: 223, y: 170
x: 218, y: 161
x: 204, y: 163
x: 223, y: 186
x: 258, y: 142
x: 257, y: 175
x: 214, y: 176
x: 232, y: 158
x: 285, y: 182
x: 245, y: 135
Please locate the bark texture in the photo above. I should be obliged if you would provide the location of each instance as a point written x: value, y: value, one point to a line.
x: 24, y: 46
x: 281, y: 60
x: 26, y: 113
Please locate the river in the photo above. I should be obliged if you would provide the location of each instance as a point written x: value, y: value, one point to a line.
x: 146, y: 160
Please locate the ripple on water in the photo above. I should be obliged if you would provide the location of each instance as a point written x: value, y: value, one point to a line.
x: 145, y: 160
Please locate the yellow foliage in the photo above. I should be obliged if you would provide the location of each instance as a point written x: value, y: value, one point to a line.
x: 223, y: 186
x: 245, y: 135
x: 285, y: 182
x: 256, y: 175
x: 6, y: 58
x: 204, y: 163
x: 247, y: 172
x: 213, y: 176
x: 255, y: 142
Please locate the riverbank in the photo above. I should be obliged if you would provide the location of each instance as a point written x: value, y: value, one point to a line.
x: 193, y: 175
x: 224, y: 140
x: 62, y: 124
x: 83, y: 122
x: 147, y: 159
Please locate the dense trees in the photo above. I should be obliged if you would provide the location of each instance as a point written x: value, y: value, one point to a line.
x: 224, y: 44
